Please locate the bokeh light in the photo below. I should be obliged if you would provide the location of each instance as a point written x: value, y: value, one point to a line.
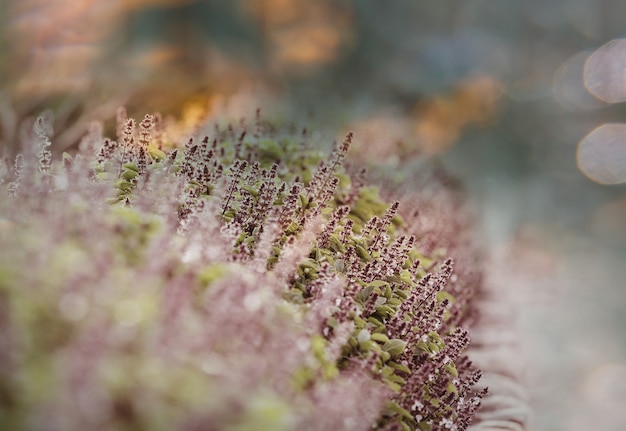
x: 601, y: 154
x: 605, y: 72
x: 441, y: 120
x: 569, y: 90
x: 301, y: 34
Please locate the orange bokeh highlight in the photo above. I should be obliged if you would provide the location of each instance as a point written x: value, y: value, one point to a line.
x: 441, y: 120
x: 301, y: 33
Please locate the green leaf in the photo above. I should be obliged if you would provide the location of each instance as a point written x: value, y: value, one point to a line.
x: 380, y: 337
x: 335, y: 243
x: 388, y: 292
x: 385, y: 310
x: 103, y: 176
x: 293, y: 228
x: 435, y: 337
x: 396, y: 408
x: 401, y: 294
x: 131, y: 166
x: 406, y: 277
x: 229, y: 215
x: 393, y: 385
x: 157, y: 154
x: 441, y: 295
x: 339, y: 265
x: 310, y: 264
x: 396, y: 379
x: 363, y: 294
x: 359, y: 322
x: 373, y: 320
x: 434, y: 347
x: 424, y: 426
x: 380, y: 300
x: 394, y: 302
x: 423, y: 346
x: 451, y: 368
x: 363, y: 253
x: 365, y: 346
x: 386, y: 371
x: 129, y: 174
x: 124, y: 185
x: 317, y: 254
x: 304, y: 201
x: 399, y: 367
x: 381, y: 329
x: 252, y: 190
x: 395, y: 347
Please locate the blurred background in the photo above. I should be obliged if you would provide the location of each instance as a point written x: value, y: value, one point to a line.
x: 521, y: 100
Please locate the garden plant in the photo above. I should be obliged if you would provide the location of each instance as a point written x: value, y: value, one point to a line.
x: 245, y: 279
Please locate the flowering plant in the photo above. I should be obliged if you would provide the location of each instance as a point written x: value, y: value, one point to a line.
x: 243, y: 281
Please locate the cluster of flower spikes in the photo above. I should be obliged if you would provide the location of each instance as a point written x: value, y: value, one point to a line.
x: 376, y: 305
x: 403, y: 329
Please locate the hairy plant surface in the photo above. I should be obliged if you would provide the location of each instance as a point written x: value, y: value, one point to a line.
x: 241, y: 281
